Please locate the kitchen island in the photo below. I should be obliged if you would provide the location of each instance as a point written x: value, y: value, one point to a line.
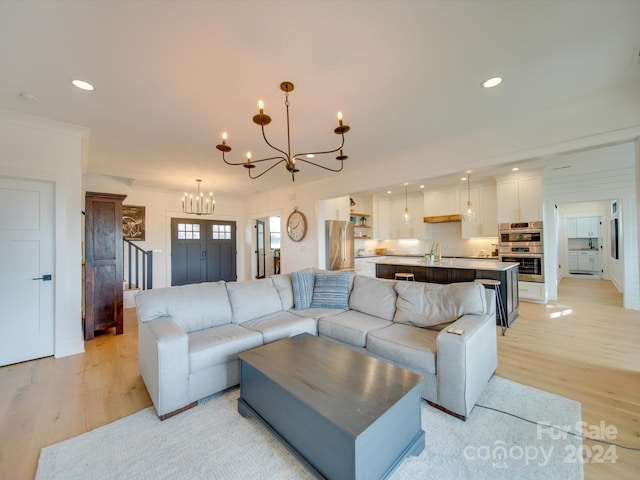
x: 451, y: 270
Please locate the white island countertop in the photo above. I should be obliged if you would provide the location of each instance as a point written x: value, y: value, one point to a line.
x: 461, y: 263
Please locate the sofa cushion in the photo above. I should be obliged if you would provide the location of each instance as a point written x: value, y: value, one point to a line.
x: 373, y: 296
x: 350, y: 327
x: 281, y: 325
x: 253, y: 299
x: 217, y: 345
x: 331, y: 290
x: 302, y: 289
x: 192, y: 307
x: 413, y: 347
x: 283, y: 285
x: 428, y: 304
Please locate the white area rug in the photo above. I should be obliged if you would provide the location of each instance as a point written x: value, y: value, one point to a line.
x: 212, y: 441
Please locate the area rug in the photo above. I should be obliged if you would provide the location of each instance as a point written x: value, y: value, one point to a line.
x: 212, y: 441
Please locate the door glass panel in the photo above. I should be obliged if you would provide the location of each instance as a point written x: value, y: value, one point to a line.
x: 220, y: 232
x: 188, y: 231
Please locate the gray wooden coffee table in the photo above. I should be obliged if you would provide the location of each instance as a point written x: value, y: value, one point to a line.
x: 344, y: 414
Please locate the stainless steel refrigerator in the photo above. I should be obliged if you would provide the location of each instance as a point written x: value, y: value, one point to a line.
x: 339, y: 242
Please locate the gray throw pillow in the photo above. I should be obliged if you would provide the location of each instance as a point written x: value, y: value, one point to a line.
x: 302, y: 289
x: 429, y: 304
x: 331, y: 290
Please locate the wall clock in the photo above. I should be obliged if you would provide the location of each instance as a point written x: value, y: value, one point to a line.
x: 296, y: 225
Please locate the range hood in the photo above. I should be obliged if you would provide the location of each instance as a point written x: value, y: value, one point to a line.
x: 443, y: 218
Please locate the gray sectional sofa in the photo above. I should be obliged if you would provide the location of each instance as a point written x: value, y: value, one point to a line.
x: 189, y: 336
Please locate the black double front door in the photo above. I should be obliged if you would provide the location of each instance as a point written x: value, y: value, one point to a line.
x: 202, y: 251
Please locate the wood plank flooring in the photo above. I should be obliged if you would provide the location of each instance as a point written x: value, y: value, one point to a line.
x: 584, y: 346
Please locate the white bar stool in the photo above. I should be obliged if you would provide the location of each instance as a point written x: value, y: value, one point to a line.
x: 500, y: 311
x: 410, y: 277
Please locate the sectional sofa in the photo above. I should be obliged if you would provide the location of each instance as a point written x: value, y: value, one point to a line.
x: 189, y: 336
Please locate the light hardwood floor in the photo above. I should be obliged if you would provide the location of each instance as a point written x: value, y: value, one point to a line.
x: 584, y: 346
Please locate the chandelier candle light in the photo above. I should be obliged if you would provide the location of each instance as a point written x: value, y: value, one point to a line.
x: 289, y: 160
x: 201, y: 206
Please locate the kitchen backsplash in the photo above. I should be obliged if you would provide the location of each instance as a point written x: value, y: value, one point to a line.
x: 448, y: 234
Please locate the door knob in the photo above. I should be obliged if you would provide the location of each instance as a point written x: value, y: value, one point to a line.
x: 44, y: 278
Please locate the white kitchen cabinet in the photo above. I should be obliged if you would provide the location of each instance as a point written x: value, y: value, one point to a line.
x: 442, y: 202
x: 583, y: 227
x: 585, y: 262
x: 484, y: 202
x: 589, y: 262
x: 532, y: 292
x: 382, y: 218
x: 519, y: 199
x: 416, y: 227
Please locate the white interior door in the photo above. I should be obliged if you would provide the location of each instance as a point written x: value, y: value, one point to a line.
x: 26, y: 259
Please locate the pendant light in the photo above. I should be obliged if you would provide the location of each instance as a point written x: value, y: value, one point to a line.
x: 469, y: 214
x: 406, y: 217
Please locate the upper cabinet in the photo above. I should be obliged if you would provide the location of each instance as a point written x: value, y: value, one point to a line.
x: 519, y: 199
x: 382, y: 218
x: 444, y: 201
x: 388, y: 217
x: 484, y: 202
x: 583, y: 227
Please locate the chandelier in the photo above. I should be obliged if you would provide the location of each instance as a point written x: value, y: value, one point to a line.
x: 286, y: 157
x: 198, y: 205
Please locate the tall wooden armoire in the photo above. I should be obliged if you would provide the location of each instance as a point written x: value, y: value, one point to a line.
x: 103, y: 263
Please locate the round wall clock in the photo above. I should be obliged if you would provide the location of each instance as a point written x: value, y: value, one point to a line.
x: 296, y: 225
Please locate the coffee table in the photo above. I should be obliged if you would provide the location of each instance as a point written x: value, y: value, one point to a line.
x: 344, y: 414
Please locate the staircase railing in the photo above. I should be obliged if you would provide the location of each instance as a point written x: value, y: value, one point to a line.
x: 138, y: 266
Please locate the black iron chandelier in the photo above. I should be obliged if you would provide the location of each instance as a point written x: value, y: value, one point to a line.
x: 289, y: 160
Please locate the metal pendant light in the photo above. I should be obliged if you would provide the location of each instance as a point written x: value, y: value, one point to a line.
x: 469, y: 214
x: 406, y: 218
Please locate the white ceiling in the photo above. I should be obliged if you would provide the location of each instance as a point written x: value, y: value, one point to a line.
x: 171, y: 76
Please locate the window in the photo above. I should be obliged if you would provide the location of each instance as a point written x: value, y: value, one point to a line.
x: 274, y: 233
x: 188, y: 231
x: 220, y: 232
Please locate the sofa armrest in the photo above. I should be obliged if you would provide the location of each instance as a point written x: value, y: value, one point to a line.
x: 163, y: 359
x: 465, y: 363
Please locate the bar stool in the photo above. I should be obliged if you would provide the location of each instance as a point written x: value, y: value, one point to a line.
x: 500, y: 311
x: 410, y: 277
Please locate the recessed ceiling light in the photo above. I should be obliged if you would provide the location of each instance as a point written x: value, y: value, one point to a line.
x: 310, y: 155
x: 83, y: 85
x: 421, y: 186
x: 492, y: 82
x: 463, y: 178
x: 388, y: 191
x: 515, y: 169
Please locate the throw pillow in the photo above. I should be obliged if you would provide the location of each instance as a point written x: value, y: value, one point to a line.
x: 303, y: 283
x: 373, y: 296
x: 429, y: 304
x: 331, y: 290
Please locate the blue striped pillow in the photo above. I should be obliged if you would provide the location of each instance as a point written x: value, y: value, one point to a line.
x: 303, y: 283
x: 331, y: 290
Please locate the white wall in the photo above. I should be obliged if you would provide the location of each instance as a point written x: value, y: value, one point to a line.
x: 160, y: 207
x: 596, y: 175
x: 38, y: 149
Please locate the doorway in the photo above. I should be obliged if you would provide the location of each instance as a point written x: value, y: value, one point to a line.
x: 26, y: 276
x: 202, y: 251
x: 266, y: 243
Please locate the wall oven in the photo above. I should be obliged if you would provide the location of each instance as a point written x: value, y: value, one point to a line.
x: 520, y: 234
x: 522, y: 243
x: 531, y: 263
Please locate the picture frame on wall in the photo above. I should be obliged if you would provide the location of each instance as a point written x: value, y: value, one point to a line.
x: 133, y: 226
